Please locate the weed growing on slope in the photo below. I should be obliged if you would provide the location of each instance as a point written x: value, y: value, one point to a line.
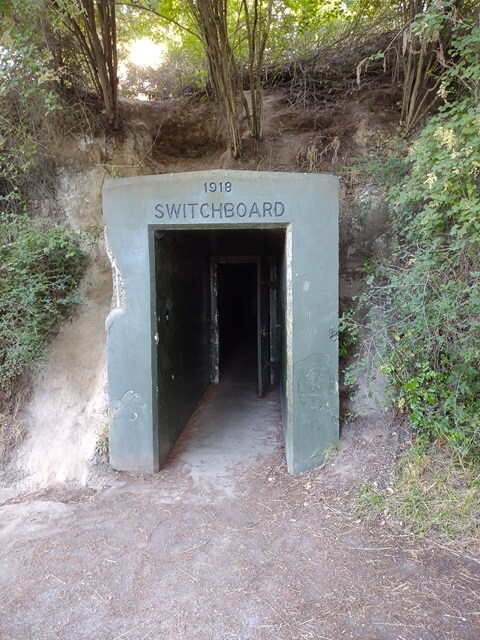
x: 427, y: 295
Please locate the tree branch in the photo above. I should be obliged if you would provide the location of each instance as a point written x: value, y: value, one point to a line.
x: 141, y: 7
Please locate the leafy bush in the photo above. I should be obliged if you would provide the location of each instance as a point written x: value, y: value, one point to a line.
x: 429, y: 291
x: 347, y: 333
x: 40, y: 269
x: 40, y: 265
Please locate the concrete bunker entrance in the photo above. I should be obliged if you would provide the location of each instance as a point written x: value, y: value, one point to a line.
x: 219, y: 311
x: 173, y: 240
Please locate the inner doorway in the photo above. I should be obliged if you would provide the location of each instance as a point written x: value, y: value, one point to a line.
x: 162, y: 232
x: 237, y: 312
x: 244, y: 312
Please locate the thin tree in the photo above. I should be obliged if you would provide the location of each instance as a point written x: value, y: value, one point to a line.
x: 423, y: 55
x: 93, y: 25
x: 218, y: 32
x: 258, y: 20
x: 211, y: 19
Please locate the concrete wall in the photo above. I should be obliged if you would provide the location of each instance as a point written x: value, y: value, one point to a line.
x: 282, y: 330
x: 314, y: 290
x: 183, y: 355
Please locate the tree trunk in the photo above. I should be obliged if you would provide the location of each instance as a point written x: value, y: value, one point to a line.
x: 211, y: 18
x: 258, y: 28
x: 94, y: 27
x: 423, y: 61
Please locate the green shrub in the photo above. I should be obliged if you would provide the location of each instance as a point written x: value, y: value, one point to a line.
x: 40, y: 269
x: 347, y: 333
x: 40, y: 266
x: 429, y: 291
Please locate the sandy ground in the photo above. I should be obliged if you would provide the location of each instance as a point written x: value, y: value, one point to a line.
x: 235, y: 549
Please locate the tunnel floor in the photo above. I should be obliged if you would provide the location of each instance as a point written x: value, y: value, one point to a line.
x: 231, y: 427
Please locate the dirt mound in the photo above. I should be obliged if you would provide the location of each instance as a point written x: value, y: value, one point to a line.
x: 181, y: 128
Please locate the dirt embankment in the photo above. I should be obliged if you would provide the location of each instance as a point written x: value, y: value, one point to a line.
x: 67, y: 408
x: 275, y: 556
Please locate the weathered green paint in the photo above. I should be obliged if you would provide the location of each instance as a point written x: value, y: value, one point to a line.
x: 182, y: 363
x: 143, y: 421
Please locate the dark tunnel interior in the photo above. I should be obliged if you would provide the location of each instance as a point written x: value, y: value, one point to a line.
x: 219, y: 310
x: 237, y: 316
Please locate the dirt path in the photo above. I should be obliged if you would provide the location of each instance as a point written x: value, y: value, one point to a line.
x: 277, y: 557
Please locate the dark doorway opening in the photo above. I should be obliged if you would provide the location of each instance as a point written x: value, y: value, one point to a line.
x: 237, y: 320
x: 218, y: 316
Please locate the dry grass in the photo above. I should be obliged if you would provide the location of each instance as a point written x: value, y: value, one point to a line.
x: 310, y: 158
x: 12, y: 427
x: 12, y: 432
x: 432, y: 494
